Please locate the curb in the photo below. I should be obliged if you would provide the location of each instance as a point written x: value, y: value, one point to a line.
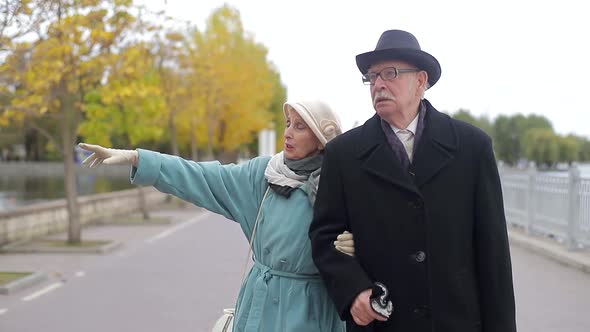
x: 133, y: 221
x: 23, y: 283
x: 39, y: 249
x: 579, y: 260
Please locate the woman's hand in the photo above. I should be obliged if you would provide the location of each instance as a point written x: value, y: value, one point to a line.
x: 108, y: 156
x: 345, y: 243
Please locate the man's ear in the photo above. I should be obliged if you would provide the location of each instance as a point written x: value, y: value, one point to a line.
x: 422, y: 79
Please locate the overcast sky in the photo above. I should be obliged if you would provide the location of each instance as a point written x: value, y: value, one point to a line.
x: 497, y: 57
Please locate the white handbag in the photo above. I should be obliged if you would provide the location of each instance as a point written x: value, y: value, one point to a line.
x: 225, y: 323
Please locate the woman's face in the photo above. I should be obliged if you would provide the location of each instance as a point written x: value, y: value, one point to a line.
x: 300, y: 141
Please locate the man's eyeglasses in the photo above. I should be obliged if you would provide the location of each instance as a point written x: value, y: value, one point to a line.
x: 387, y: 74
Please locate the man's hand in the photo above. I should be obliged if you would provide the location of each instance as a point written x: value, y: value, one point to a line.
x: 107, y: 156
x: 345, y: 243
x: 361, y: 310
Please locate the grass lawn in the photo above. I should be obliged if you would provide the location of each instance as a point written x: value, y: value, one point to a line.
x: 7, y: 277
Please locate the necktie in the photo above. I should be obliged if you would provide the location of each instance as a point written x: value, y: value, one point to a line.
x: 407, y: 139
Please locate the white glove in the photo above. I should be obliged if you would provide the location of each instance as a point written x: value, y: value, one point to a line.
x: 345, y: 243
x: 108, y: 156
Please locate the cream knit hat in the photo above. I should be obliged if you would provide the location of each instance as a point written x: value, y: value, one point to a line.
x: 318, y: 116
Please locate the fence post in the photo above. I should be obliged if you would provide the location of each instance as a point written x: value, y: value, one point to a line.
x: 573, y: 208
x: 530, y: 198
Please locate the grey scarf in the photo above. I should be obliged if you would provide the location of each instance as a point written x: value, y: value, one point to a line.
x: 285, y: 175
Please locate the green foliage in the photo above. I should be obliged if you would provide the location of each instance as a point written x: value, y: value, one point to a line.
x: 483, y: 122
x: 584, y: 154
x: 583, y: 148
x: 509, y: 133
x: 541, y: 146
x: 51, y: 75
x: 569, y: 148
x: 531, y: 137
x: 129, y: 104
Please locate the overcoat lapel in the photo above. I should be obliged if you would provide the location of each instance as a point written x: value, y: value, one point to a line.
x: 436, y: 146
x: 378, y: 159
x: 434, y: 151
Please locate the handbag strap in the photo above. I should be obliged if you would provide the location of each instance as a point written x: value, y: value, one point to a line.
x: 252, y: 241
x: 253, y: 233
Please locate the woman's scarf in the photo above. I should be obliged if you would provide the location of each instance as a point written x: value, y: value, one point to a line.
x: 286, y: 175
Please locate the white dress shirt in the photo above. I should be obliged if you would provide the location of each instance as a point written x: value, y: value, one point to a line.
x: 406, y: 136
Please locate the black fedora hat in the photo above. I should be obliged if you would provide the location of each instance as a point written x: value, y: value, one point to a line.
x: 400, y: 45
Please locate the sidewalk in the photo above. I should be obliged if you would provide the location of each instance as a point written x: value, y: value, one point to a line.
x: 551, y: 249
x: 54, y: 265
x: 50, y: 264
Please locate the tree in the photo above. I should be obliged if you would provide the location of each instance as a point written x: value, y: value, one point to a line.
x: 569, y: 149
x: 276, y: 108
x: 129, y: 106
x: 51, y: 74
x: 509, y: 132
x: 506, y: 139
x: 482, y: 122
x: 175, y: 82
x: 233, y: 84
x: 583, y: 148
x: 542, y: 146
x: 21, y: 18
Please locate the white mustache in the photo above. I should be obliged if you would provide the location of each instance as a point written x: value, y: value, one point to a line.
x: 382, y: 95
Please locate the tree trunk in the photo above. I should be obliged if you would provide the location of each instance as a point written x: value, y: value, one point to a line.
x: 226, y: 157
x: 74, y: 228
x: 210, y: 116
x: 172, y: 130
x: 194, y: 151
x: 142, y: 204
x: 209, y: 152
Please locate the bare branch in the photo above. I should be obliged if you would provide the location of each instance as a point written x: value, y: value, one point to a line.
x: 29, y: 112
x: 47, y: 135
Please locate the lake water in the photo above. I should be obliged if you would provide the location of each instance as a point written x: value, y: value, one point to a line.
x: 18, y: 191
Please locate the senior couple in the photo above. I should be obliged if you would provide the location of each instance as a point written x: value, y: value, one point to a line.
x: 396, y: 225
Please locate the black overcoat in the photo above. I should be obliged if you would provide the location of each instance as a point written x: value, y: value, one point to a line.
x: 435, y: 234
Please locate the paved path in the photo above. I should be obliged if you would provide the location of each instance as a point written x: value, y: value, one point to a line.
x: 178, y: 277
x: 550, y: 297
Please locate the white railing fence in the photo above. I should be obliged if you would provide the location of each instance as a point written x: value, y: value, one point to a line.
x: 553, y: 204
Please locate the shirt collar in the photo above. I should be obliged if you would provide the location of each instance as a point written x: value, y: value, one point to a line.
x: 412, y: 126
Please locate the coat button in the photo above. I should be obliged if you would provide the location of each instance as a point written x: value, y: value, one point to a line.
x: 420, y: 256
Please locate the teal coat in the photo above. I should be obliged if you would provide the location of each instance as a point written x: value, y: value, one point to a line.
x: 283, y: 290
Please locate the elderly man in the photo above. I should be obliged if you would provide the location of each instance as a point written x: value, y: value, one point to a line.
x: 420, y: 191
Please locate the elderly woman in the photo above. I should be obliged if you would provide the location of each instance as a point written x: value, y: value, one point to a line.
x: 283, y: 291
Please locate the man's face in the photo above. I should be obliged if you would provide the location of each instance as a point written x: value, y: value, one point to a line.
x: 398, y: 95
